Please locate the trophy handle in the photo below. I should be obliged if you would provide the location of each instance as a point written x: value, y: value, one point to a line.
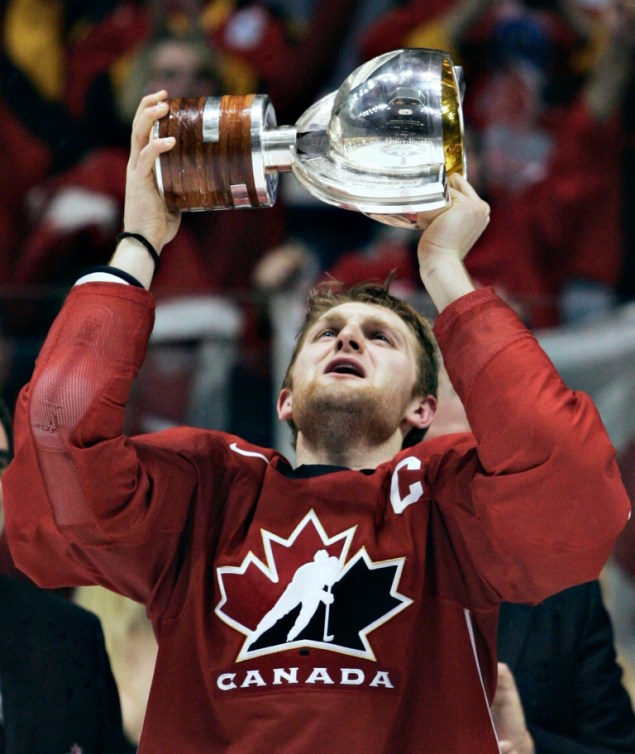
x: 219, y: 160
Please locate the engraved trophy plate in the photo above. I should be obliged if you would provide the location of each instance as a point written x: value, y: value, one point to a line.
x: 383, y: 144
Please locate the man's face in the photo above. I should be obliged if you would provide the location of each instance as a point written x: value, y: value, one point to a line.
x: 358, y: 362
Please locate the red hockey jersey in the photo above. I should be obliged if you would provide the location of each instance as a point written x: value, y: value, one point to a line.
x: 318, y: 608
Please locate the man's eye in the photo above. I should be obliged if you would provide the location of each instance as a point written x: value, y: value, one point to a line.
x: 381, y: 336
x: 328, y: 332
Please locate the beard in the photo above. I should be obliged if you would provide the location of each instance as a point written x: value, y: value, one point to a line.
x: 334, y: 417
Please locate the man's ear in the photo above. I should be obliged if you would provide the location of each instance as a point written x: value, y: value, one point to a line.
x: 420, y: 413
x: 284, y: 405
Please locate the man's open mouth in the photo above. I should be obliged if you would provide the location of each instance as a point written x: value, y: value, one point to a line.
x: 345, y: 366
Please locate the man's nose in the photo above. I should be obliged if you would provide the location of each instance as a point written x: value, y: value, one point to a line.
x: 350, y: 338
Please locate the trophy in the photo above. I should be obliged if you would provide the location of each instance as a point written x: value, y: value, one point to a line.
x: 383, y: 144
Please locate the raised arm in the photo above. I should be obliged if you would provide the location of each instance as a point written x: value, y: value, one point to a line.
x: 77, y: 481
x: 544, y: 487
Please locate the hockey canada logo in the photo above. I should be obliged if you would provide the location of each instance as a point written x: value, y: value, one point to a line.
x: 308, y: 592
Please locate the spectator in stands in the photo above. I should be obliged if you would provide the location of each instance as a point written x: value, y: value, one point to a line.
x: 620, y: 574
x: 57, y: 691
x: 559, y: 685
x: 289, y: 61
x: 38, y: 133
x: 132, y: 649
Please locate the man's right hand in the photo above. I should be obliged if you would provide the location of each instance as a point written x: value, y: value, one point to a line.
x: 145, y: 211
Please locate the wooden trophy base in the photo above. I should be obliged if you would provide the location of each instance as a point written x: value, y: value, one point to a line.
x: 217, y: 161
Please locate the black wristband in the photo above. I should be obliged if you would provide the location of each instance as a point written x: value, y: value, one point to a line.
x: 142, y: 240
x: 122, y: 274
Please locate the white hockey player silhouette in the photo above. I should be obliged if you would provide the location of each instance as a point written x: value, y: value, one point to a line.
x: 306, y: 588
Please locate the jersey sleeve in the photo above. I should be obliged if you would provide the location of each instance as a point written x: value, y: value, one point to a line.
x: 541, y: 503
x: 78, y: 488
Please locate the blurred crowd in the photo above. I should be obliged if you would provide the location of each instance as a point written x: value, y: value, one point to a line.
x: 548, y: 132
x: 550, y: 138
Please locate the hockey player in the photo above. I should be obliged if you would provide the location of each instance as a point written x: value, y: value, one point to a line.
x: 395, y: 651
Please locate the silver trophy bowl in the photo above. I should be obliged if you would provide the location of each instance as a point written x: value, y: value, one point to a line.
x: 383, y: 144
x: 387, y: 139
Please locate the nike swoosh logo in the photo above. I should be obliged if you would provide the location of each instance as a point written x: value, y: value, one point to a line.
x: 249, y: 453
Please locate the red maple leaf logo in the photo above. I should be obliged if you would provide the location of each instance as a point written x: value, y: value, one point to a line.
x: 284, y: 600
